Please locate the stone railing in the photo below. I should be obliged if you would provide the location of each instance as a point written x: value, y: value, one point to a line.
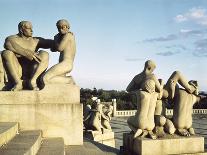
x: 127, y: 113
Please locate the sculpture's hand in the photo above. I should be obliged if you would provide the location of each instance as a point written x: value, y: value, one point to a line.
x: 36, y: 58
x: 28, y: 54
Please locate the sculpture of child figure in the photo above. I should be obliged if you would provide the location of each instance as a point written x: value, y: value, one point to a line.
x: 65, y: 44
x: 143, y: 122
x: 95, y: 119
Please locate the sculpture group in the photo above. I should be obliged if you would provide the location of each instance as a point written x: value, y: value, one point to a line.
x: 152, y: 95
x: 23, y: 65
x: 97, y: 117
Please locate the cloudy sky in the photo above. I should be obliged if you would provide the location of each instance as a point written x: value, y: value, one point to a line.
x: 115, y: 37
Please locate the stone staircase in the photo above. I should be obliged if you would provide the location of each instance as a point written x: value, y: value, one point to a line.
x: 14, y: 141
x: 29, y: 142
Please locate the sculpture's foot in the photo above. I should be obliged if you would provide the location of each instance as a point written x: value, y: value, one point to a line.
x: 191, y: 131
x: 159, y: 131
x: 137, y: 133
x: 17, y: 87
x: 183, y: 132
x: 152, y: 135
x: 144, y: 133
x: 33, y: 85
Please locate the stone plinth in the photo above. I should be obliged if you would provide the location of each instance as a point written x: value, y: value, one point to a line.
x: 52, y: 93
x: 106, y: 138
x: 164, y: 146
x: 56, y: 119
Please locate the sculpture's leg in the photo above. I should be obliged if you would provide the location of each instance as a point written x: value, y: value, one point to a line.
x: 14, y: 68
x: 152, y: 135
x: 191, y: 131
x: 41, y: 67
x: 106, y: 124
x: 62, y: 79
x: 144, y: 133
x: 169, y: 127
x: 57, y: 70
x: 138, y: 133
x: 183, y: 132
x: 131, y: 123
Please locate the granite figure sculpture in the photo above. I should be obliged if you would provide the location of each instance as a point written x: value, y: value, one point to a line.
x: 96, y: 119
x: 147, y: 83
x: 23, y: 61
x: 64, y: 43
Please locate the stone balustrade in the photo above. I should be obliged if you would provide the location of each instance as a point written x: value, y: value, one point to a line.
x: 127, y: 113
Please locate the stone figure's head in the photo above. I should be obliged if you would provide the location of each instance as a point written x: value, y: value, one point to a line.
x: 148, y: 86
x: 25, y: 29
x: 194, y: 83
x: 149, y: 66
x: 63, y: 26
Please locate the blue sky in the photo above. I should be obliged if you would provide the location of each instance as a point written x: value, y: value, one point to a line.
x: 115, y: 37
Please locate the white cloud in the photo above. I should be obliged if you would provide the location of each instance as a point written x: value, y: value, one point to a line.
x: 180, y: 18
x: 197, y: 15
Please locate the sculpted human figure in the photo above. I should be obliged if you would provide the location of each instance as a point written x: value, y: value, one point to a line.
x: 147, y: 89
x: 22, y: 59
x: 142, y: 124
x: 65, y: 44
x: 183, y: 108
x: 168, y: 92
x: 96, y: 119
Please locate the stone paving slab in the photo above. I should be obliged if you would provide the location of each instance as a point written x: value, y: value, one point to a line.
x: 90, y: 148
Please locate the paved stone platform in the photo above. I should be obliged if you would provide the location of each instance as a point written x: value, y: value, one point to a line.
x: 119, y: 126
x: 90, y: 147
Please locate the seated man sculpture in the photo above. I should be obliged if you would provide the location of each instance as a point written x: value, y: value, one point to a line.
x: 95, y: 119
x: 23, y: 61
x: 65, y: 44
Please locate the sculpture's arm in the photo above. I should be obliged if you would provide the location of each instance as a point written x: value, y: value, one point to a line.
x: 104, y: 116
x: 45, y: 43
x: 158, y: 85
x: 10, y: 44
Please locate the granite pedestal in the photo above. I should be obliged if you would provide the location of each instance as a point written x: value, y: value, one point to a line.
x: 163, y: 146
x: 56, y: 110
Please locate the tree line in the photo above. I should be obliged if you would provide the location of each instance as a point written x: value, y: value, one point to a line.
x: 125, y: 101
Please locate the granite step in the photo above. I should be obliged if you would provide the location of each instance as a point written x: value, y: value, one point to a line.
x: 52, y: 146
x: 25, y: 143
x: 7, y: 131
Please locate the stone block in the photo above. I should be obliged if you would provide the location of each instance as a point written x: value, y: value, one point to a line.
x: 106, y: 138
x: 55, y: 120
x: 51, y: 93
x: 176, y: 145
x: 56, y: 110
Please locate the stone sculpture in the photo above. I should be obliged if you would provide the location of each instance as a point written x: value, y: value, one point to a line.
x: 95, y: 119
x: 143, y: 121
x: 65, y: 44
x: 151, y: 93
x: 183, y: 109
x: 23, y: 61
x: 144, y: 85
